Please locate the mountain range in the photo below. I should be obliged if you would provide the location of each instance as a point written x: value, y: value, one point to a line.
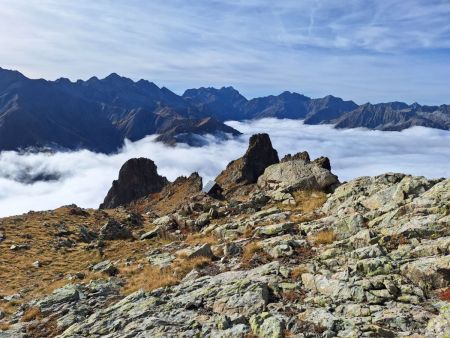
x: 98, y: 114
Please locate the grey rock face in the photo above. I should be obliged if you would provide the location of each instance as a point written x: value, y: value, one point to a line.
x: 235, y: 294
x: 113, y: 230
x: 106, y: 267
x: 66, y: 294
x: 297, y: 175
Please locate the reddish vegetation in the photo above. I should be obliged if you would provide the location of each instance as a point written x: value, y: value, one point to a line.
x: 445, y: 295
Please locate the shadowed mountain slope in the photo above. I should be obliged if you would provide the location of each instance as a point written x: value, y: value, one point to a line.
x: 98, y: 114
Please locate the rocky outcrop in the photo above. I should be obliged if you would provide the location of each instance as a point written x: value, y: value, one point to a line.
x: 138, y: 178
x: 174, y: 195
x: 304, y: 156
x: 323, y: 162
x: 246, y: 170
x: 227, y: 299
x: 113, y: 230
x: 292, y: 175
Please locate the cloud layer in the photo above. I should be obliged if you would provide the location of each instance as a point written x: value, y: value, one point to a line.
x: 365, y: 50
x: 85, y: 177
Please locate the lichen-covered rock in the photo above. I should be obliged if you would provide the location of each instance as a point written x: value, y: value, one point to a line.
x: 196, y: 251
x: 439, y: 326
x: 106, y: 267
x: 429, y: 273
x: 161, y: 259
x: 202, y: 220
x: 65, y: 294
x: 297, y: 175
x: 238, y: 295
x: 274, y: 229
x: 265, y: 325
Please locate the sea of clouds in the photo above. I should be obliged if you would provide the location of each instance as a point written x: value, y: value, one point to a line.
x: 84, y: 177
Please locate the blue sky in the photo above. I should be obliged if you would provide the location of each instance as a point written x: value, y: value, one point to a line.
x: 362, y: 50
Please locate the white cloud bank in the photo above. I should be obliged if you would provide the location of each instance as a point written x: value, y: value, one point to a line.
x: 87, y: 176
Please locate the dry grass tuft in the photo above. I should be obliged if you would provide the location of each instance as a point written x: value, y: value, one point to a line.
x: 182, y: 267
x: 251, y: 335
x: 148, y: 278
x: 289, y: 334
x: 323, y: 237
x: 298, y: 271
x: 308, y: 201
x: 250, y: 250
x: 248, y: 232
x: 152, y: 277
x: 4, y: 326
x: 197, y: 238
x: 9, y: 308
x: 293, y: 296
x: 31, y: 314
x: 249, y: 260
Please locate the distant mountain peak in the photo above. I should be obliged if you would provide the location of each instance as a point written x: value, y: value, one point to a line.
x: 99, y: 114
x: 115, y: 78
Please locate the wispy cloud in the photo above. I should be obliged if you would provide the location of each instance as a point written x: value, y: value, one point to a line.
x: 357, y: 49
x: 85, y: 177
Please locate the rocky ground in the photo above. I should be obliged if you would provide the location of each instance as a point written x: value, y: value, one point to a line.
x: 287, y: 252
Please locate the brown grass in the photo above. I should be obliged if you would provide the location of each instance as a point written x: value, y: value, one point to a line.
x: 153, y: 277
x: 183, y: 266
x: 4, y: 326
x: 48, y: 328
x: 307, y: 204
x: 308, y: 200
x: 288, y: 334
x: 323, y: 237
x: 249, y: 252
x: 298, y: 271
x: 17, y: 274
x: 197, y: 238
x: 292, y: 296
x: 31, y: 313
x: 304, y: 253
x: 149, y: 278
x: 251, y: 335
x: 248, y: 232
x: 9, y: 308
